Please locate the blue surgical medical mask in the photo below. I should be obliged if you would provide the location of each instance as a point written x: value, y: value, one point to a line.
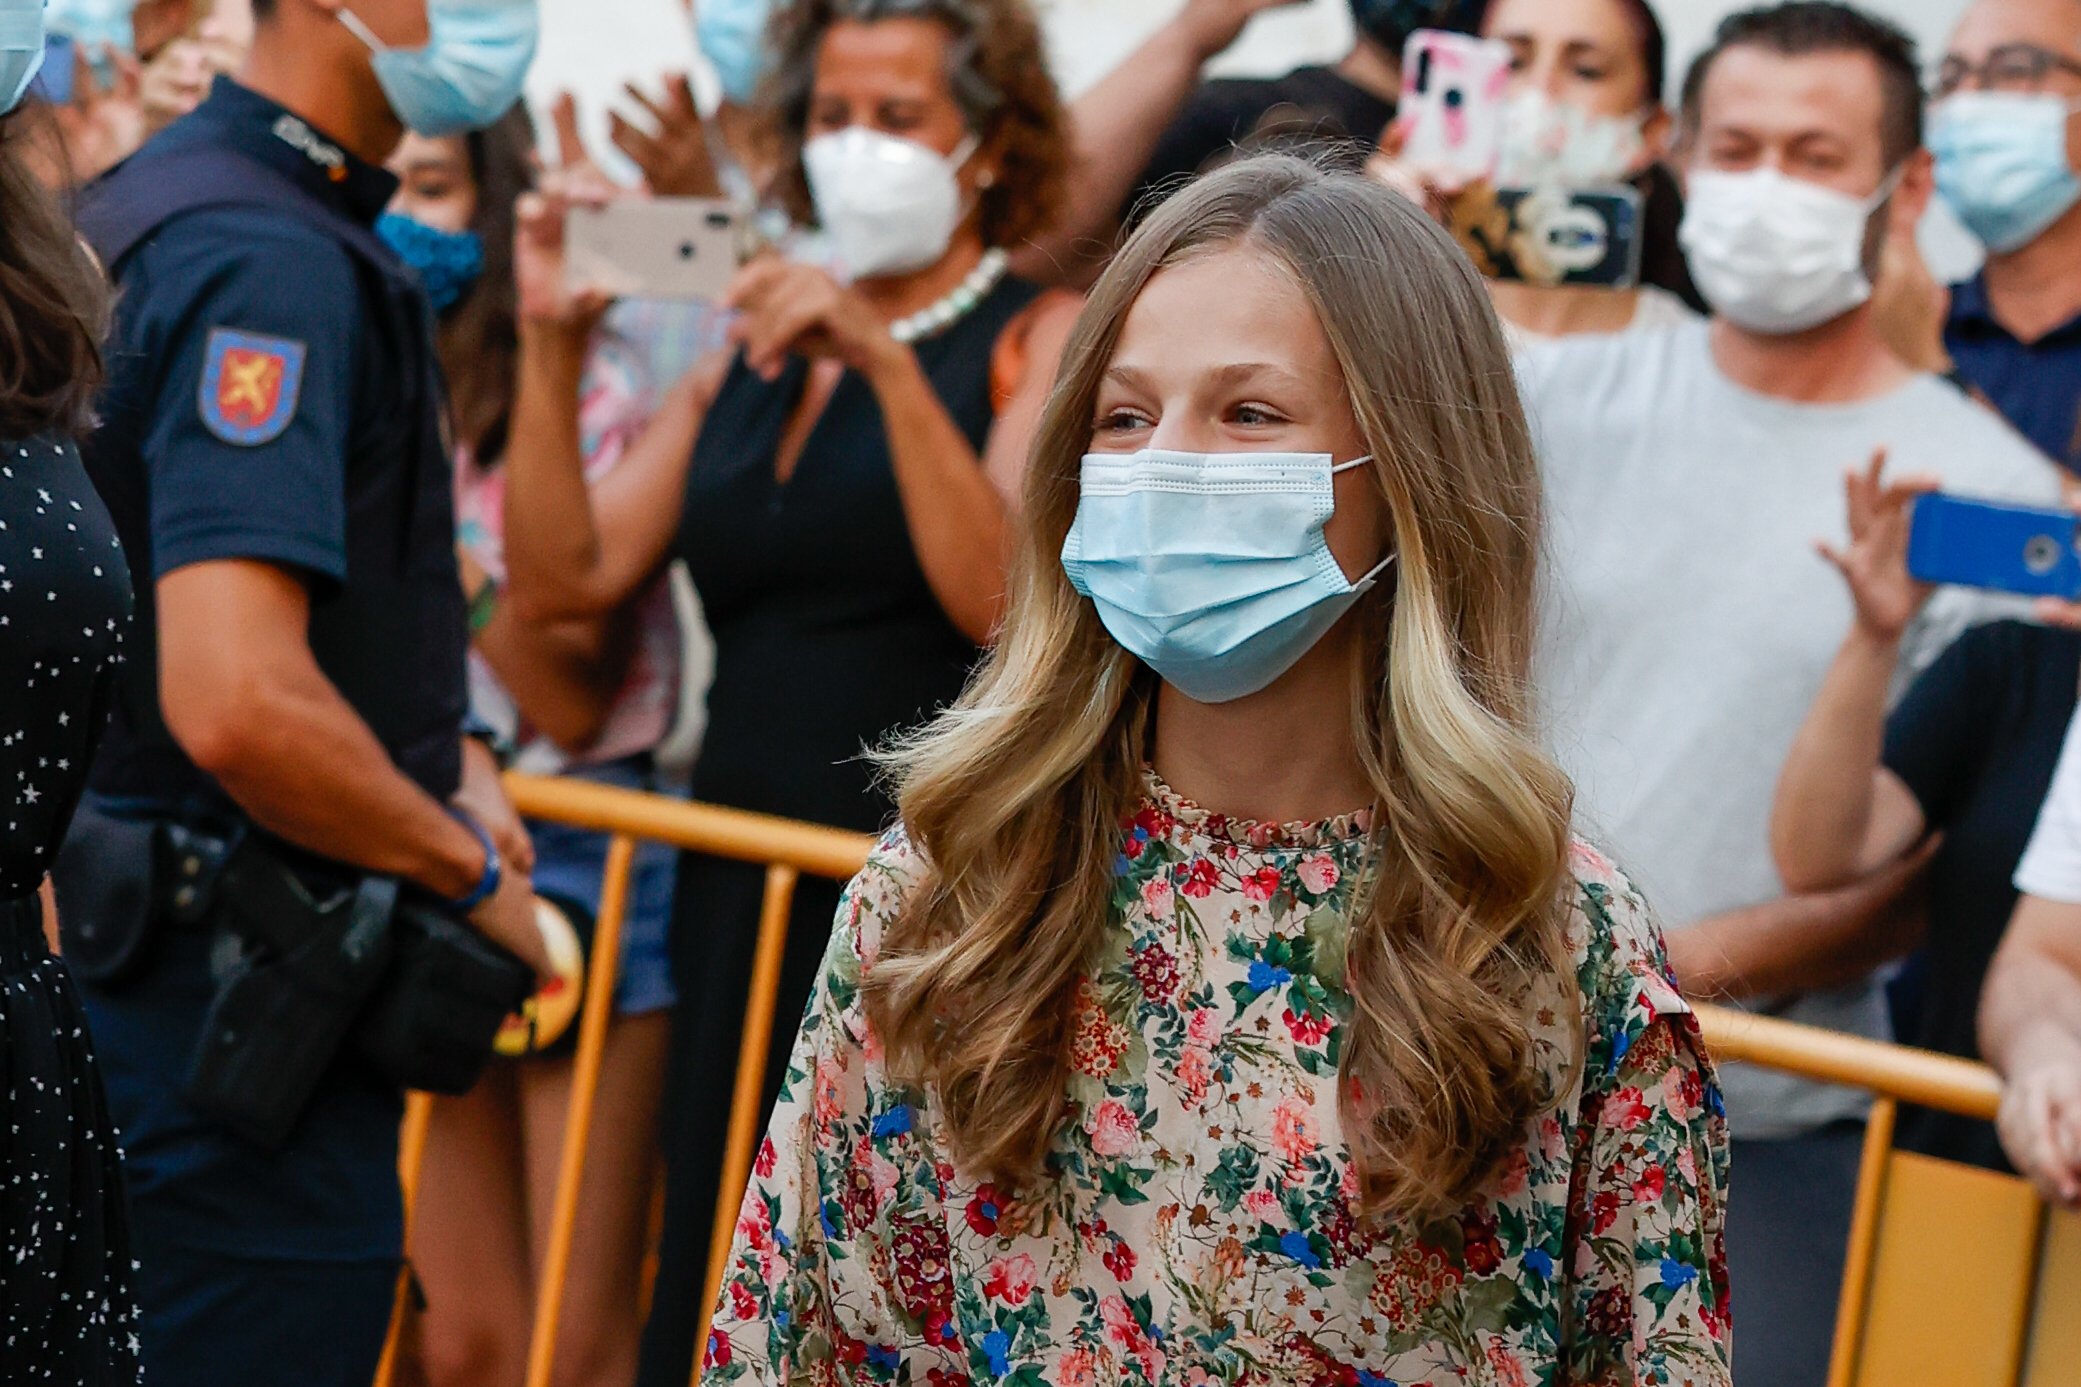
x: 446, y: 262
x: 731, y: 34
x: 1211, y: 568
x: 470, y: 71
x: 2001, y: 162
x: 21, y: 49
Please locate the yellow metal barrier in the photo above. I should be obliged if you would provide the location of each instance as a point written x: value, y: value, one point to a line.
x: 788, y: 850
x: 1954, y: 1275
x: 1993, y: 1307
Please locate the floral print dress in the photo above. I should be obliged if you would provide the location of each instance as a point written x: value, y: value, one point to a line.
x: 1202, y: 1229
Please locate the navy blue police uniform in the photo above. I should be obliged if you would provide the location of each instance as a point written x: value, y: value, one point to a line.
x: 273, y: 397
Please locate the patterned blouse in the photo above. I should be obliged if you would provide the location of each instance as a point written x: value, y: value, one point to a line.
x: 1202, y: 1230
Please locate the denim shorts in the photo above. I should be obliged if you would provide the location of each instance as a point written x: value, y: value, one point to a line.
x: 569, y: 862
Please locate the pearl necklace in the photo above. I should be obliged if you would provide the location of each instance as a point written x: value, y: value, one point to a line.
x: 936, y: 318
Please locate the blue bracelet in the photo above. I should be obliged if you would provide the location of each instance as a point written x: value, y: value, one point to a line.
x: 488, y: 884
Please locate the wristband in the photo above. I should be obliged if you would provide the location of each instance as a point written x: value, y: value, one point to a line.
x: 488, y: 884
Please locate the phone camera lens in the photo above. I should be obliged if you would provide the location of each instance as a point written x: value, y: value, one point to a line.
x: 686, y: 250
x: 2041, y: 554
x: 1455, y: 99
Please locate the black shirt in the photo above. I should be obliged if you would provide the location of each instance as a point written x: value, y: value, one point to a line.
x: 1976, y: 739
x: 1308, y: 106
x: 273, y: 396
x: 2036, y: 385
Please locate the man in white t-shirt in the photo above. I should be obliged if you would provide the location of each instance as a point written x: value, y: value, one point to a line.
x: 1687, y: 624
x: 2030, y: 1010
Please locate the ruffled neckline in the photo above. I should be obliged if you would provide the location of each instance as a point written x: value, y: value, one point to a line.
x: 1198, y: 821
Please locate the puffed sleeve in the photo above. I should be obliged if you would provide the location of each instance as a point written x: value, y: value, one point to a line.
x: 254, y: 341
x: 1645, y: 1258
x: 824, y: 1272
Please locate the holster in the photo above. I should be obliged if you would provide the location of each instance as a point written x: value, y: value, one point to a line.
x: 311, y: 953
x: 120, y: 881
x: 432, y: 1023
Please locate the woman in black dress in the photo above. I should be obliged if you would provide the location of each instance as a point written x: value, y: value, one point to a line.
x: 67, y: 1312
x: 845, y: 513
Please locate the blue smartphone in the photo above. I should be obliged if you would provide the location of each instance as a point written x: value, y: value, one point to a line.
x: 1986, y: 544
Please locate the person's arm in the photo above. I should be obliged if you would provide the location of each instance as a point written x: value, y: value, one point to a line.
x: 573, y: 550
x: 1115, y: 127
x: 1800, y: 943
x: 562, y: 675
x: 1641, y: 1275
x: 959, y: 523
x: 245, y: 699
x: 2030, y: 1030
x: 1839, y: 811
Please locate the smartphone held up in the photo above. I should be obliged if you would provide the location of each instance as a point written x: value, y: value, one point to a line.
x: 656, y: 248
x: 1988, y: 544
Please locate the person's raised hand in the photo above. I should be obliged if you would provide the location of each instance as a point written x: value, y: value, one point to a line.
x: 674, y: 154
x: 784, y: 308
x: 1389, y: 166
x: 547, y: 298
x: 1874, y: 564
x: 2040, y: 1127
x: 1213, y: 25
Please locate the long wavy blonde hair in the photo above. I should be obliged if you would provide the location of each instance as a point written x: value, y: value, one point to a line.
x: 1017, y: 795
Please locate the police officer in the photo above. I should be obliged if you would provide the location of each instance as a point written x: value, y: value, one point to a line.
x: 272, y: 453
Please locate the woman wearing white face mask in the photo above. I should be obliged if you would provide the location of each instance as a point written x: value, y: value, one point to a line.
x: 1232, y: 1004
x: 1586, y: 110
x: 845, y: 513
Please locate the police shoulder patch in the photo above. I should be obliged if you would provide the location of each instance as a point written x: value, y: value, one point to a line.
x: 249, y: 385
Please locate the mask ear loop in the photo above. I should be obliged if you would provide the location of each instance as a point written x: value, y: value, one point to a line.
x: 1347, y: 466
x: 354, y: 26
x: 1379, y: 568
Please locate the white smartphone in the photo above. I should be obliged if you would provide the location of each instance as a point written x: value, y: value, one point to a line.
x: 1452, y: 104
x: 655, y: 248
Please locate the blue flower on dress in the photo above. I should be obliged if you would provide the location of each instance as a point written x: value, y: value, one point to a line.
x: 1264, y: 976
x: 997, y: 1345
x: 1676, y: 1275
x: 1540, y: 1263
x: 1295, y: 1245
x: 893, y: 1123
x: 1366, y: 1379
x: 884, y: 1357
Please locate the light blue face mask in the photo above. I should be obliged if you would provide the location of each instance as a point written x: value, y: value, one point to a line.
x: 1211, y: 567
x: 95, y: 25
x: 21, y: 49
x: 731, y: 34
x: 470, y: 71
x: 2001, y: 162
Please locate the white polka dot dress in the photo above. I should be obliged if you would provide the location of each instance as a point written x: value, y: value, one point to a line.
x: 67, y: 1311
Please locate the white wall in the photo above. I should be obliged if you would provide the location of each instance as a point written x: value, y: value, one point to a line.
x: 594, y: 45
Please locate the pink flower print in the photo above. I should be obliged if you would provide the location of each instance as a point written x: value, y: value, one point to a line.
x: 1119, y: 1321
x: 1649, y: 1187
x: 1157, y: 898
x: 1076, y: 1369
x: 830, y: 1091
x: 1293, y: 1130
x: 1262, y: 1205
x: 1687, y: 1165
x: 1195, y: 1073
x: 1627, y: 1109
x: 1508, y: 1367
x: 1204, y: 1028
x: 1113, y: 1129
x: 1318, y: 872
x: 1011, y: 1279
x: 1262, y: 884
x: 1515, y: 1175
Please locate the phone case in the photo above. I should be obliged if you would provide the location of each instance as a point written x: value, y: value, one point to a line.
x: 1452, y: 104
x: 1546, y: 236
x: 1985, y: 544
x: 654, y: 248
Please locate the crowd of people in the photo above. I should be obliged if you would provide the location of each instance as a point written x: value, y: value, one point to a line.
x: 1329, y: 710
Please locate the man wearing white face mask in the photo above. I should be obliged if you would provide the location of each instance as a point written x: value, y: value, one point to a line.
x: 2006, y: 132
x: 1688, y: 625
x: 292, y: 710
